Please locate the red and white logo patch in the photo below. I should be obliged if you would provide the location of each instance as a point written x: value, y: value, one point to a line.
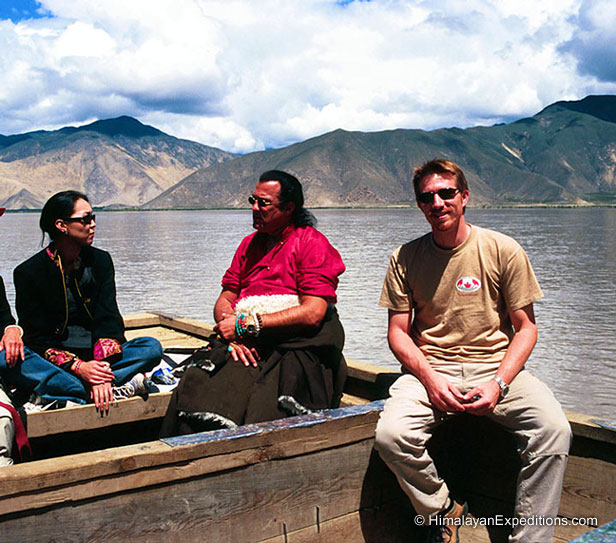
x: 468, y: 284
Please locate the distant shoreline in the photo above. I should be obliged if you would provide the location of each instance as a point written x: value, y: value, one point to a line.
x: 367, y: 208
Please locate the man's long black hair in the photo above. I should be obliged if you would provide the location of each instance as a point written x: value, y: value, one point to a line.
x: 291, y: 191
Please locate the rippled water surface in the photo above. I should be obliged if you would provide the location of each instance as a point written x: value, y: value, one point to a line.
x: 172, y: 261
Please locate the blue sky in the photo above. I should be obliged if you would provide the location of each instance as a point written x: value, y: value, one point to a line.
x: 244, y: 75
x: 16, y: 10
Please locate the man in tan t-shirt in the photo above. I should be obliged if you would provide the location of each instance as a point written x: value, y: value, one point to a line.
x: 461, y: 323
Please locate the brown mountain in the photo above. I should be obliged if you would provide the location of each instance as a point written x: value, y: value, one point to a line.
x: 117, y: 162
x: 564, y: 154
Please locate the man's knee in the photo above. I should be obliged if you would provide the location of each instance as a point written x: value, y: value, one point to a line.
x: 560, y: 434
x: 395, y: 439
x: 553, y: 437
x: 384, y: 436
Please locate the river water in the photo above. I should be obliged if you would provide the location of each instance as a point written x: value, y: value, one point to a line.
x: 172, y: 261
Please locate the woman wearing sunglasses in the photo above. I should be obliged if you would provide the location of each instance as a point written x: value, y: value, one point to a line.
x: 66, y: 303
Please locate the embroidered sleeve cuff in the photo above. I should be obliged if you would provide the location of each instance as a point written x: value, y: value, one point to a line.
x: 64, y: 359
x: 105, y: 348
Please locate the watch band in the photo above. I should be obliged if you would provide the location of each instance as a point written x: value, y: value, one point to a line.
x: 504, y: 387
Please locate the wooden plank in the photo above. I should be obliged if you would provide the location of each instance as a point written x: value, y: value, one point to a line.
x: 256, y: 503
x: 346, y: 528
x: 364, y: 372
x: 357, y: 527
x: 107, y: 471
x: 74, y: 419
x: 191, y: 326
x: 168, y: 337
x: 349, y: 399
x: 583, y: 426
x: 141, y: 320
x: 589, y: 489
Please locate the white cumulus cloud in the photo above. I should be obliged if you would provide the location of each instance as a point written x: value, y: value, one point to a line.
x: 249, y: 74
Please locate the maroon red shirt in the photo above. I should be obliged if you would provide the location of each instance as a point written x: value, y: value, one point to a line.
x: 304, y: 262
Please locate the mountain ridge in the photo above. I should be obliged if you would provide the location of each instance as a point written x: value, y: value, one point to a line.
x: 117, y: 162
x: 565, y: 154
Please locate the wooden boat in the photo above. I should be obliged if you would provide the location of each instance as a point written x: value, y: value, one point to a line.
x: 313, y: 478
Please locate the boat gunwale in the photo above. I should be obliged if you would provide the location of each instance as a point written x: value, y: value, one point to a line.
x: 178, y: 457
x: 41, y: 485
x: 135, y: 409
x: 116, y: 461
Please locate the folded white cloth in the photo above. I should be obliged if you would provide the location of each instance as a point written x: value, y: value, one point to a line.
x: 266, y: 303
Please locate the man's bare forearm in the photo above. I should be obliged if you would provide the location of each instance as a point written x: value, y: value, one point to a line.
x: 309, y: 314
x: 224, y: 305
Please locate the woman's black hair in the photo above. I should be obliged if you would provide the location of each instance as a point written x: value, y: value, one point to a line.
x: 291, y: 191
x: 59, y: 206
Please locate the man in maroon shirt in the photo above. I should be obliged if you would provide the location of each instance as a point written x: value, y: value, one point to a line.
x: 281, y: 336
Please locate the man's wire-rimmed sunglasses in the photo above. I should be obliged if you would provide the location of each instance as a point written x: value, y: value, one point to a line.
x: 262, y: 202
x: 85, y: 220
x: 443, y: 194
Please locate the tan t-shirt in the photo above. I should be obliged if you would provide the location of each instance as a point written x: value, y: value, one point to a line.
x: 461, y: 297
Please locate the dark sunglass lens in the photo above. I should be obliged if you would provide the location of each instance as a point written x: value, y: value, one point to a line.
x: 447, y: 194
x: 251, y: 200
x: 426, y: 197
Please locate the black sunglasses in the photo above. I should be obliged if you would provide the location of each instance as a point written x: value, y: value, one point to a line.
x: 443, y: 194
x: 262, y: 202
x: 85, y: 220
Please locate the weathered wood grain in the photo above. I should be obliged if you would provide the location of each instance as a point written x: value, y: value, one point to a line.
x: 38, y: 484
x: 79, y: 418
x: 256, y: 502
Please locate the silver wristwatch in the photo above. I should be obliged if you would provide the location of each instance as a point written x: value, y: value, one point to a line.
x: 504, y: 387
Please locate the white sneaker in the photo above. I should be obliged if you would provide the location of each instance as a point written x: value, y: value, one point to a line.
x: 30, y: 407
x: 36, y: 405
x: 138, y: 385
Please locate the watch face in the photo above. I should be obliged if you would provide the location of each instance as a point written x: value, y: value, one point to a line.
x: 251, y: 330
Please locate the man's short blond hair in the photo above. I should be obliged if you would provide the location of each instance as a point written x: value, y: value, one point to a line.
x: 439, y: 166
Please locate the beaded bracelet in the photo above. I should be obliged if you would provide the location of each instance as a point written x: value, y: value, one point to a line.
x: 248, y: 325
x: 240, y: 325
x: 77, y: 365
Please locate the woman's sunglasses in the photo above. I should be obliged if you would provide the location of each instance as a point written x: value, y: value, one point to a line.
x: 85, y: 220
x: 443, y: 194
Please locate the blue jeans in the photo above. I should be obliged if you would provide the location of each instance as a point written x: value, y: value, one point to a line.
x: 51, y: 382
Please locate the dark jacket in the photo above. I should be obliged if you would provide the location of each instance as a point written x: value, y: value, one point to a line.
x: 5, y: 311
x: 41, y: 305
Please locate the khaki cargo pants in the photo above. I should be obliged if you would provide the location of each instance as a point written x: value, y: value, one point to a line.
x: 529, y: 411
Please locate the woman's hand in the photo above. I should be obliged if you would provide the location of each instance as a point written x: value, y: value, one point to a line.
x: 13, y: 345
x: 102, y: 396
x: 95, y: 372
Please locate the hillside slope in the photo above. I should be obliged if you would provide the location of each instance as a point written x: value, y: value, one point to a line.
x: 116, y: 162
x: 564, y: 154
